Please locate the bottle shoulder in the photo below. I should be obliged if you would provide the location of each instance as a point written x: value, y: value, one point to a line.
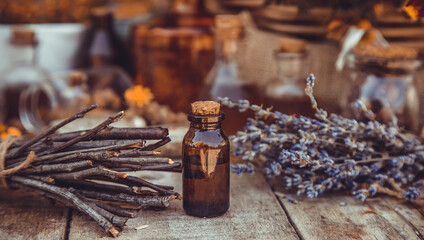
x: 212, y: 138
x: 24, y: 73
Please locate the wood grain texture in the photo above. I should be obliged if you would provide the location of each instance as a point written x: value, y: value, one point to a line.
x: 401, y: 215
x: 340, y: 216
x: 326, y: 218
x: 28, y: 216
x: 254, y: 214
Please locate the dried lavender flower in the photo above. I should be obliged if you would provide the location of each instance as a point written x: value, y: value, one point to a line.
x: 329, y: 152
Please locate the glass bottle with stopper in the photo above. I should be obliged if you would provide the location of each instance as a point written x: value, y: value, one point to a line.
x: 206, y: 163
x: 26, y: 90
x: 107, y: 78
x: 76, y: 95
x: 285, y: 91
x: 224, y: 79
x: 382, y: 78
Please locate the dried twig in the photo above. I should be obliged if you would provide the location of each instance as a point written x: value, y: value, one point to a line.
x: 64, y: 166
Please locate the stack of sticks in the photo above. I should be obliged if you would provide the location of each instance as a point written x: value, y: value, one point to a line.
x: 85, y: 169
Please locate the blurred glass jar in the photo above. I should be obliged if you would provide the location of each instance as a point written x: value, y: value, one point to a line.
x: 225, y: 78
x: 26, y: 90
x: 285, y: 91
x: 383, y: 79
x: 75, y: 97
x: 108, y: 77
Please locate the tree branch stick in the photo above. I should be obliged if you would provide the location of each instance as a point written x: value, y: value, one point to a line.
x: 115, y: 210
x: 88, y: 134
x: 115, y: 220
x: 76, y: 202
x: 64, y: 167
x: 138, y: 153
x: 158, y: 144
x: 54, y: 129
x: 97, y: 171
x: 143, y: 201
x: 139, y: 161
x: 116, y: 133
x: 88, y: 184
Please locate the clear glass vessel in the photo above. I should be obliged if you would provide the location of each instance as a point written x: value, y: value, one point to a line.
x: 224, y: 79
x: 285, y: 91
x: 108, y: 78
x: 206, y: 167
x: 26, y: 90
x: 386, y: 86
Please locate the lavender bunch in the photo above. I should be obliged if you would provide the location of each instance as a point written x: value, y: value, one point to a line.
x: 329, y: 152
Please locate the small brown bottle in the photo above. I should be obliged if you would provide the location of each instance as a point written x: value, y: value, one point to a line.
x: 206, y: 162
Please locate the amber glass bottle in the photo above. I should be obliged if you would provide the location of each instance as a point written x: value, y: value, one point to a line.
x: 173, y: 55
x: 206, y: 167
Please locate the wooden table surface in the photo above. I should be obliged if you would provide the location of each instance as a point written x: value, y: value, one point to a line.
x: 256, y: 212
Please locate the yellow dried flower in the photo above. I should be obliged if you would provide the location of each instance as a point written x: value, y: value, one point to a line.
x: 412, y: 12
x: 138, y: 96
x: 9, y: 131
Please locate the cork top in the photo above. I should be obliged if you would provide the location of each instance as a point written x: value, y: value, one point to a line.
x: 228, y: 27
x: 23, y: 36
x: 291, y: 45
x: 77, y: 79
x: 100, y: 11
x: 205, y: 108
x: 227, y: 21
x: 390, y: 52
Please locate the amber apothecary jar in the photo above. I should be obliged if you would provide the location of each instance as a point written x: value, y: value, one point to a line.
x: 206, y: 167
x: 173, y: 54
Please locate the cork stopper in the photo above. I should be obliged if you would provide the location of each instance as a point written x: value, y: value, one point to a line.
x: 23, y: 36
x: 390, y: 52
x: 77, y: 79
x: 227, y: 21
x: 101, y: 17
x: 100, y: 11
x: 205, y: 108
x: 291, y: 45
x: 228, y: 26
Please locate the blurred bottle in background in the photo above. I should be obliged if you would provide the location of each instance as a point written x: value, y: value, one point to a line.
x: 285, y: 91
x: 224, y: 79
x: 107, y: 77
x: 75, y: 96
x: 27, y: 92
x: 173, y: 54
x: 382, y: 77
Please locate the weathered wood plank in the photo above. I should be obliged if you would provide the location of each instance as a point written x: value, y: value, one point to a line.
x: 25, y: 215
x: 254, y: 213
x: 337, y: 216
x: 401, y: 215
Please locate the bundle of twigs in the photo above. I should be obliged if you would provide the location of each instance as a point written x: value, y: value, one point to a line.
x: 85, y: 169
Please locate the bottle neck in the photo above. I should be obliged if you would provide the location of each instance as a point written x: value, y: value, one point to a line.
x: 206, y: 126
x: 226, y: 50
x: 22, y: 54
x: 189, y: 6
x: 101, y: 49
x: 206, y: 122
